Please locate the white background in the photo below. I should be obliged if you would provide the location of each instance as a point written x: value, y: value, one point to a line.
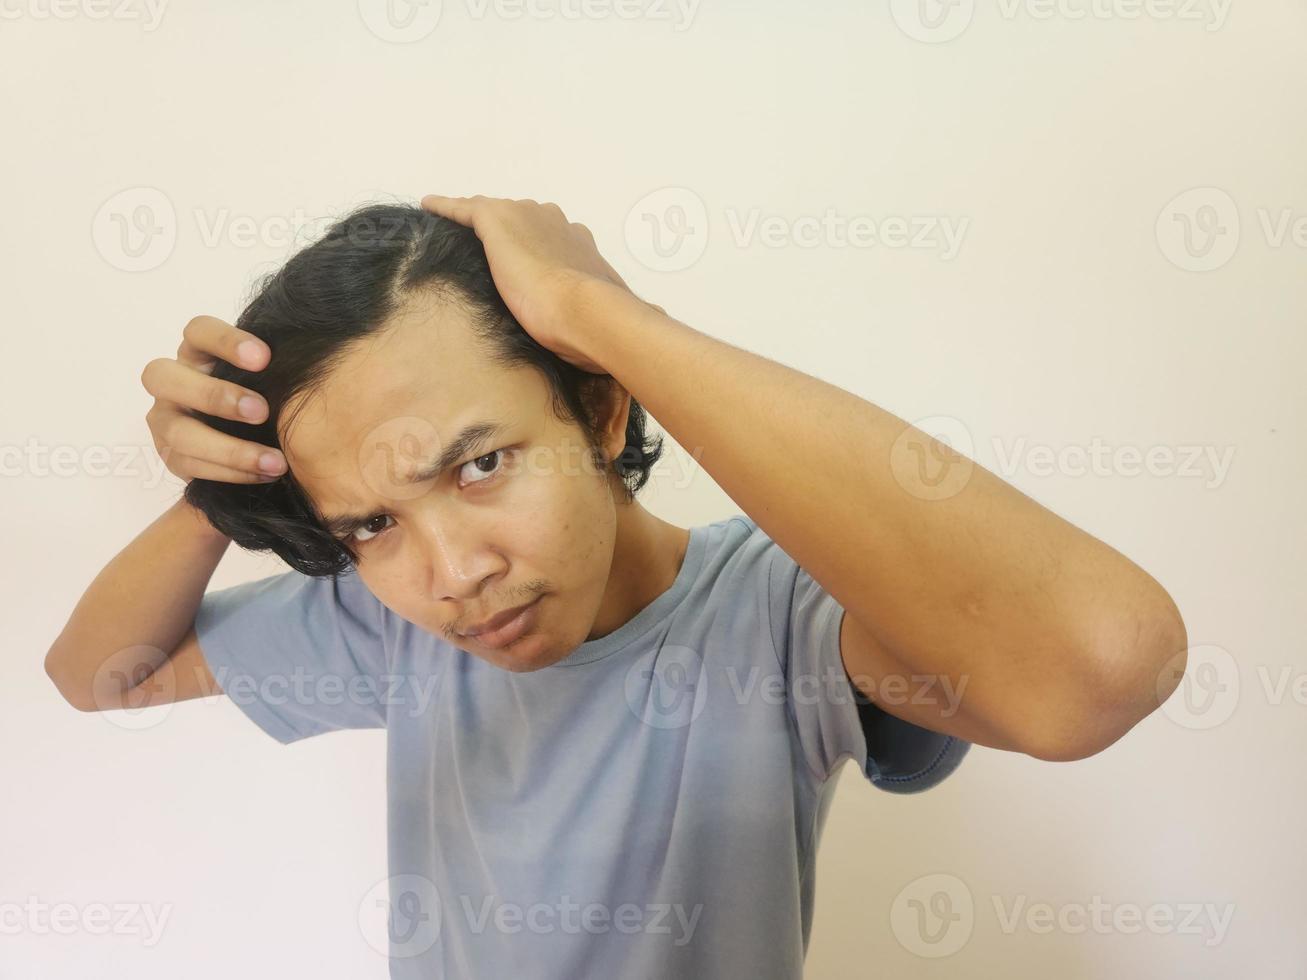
x: 1074, y: 150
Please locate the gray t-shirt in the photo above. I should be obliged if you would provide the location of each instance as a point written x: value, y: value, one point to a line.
x: 649, y: 807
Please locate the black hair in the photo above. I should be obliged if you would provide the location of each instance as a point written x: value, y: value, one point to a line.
x: 340, y: 289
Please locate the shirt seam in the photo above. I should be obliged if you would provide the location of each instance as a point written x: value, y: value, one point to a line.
x: 815, y: 776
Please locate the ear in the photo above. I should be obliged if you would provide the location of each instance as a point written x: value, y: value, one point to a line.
x: 617, y: 404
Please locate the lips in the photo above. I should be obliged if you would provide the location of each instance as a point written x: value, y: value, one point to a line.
x: 518, y: 625
x: 498, y: 620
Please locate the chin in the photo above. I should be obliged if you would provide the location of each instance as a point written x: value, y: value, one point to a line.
x: 530, y: 654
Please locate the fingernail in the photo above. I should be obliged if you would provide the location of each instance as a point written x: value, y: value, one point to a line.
x: 270, y: 463
x: 249, y: 352
x: 250, y: 407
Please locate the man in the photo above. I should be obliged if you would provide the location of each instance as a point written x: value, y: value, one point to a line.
x: 612, y: 741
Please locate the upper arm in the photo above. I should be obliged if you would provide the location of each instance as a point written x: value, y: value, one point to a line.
x: 184, y: 674
x: 900, y: 748
x: 299, y: 655
x: 929, y: 701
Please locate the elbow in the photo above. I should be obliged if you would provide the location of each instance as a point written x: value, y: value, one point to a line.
x: 69, y: 691
x: 1129, y: 680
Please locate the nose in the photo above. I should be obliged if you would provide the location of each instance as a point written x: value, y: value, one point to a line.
x: 455, y: 557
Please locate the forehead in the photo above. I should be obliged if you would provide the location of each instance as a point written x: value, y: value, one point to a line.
x: 400, y: 394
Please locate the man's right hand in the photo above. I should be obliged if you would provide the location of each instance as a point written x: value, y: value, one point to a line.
x: 190, y: 447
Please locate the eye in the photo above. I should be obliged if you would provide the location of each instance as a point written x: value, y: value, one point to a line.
x: 376, y: 532
x: 486, y: 473
x: 354, y: 536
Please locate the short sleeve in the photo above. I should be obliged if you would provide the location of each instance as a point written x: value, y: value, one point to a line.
x: 299, y: 655
x: 832, y: 719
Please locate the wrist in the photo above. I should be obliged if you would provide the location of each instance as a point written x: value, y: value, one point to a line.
x: 603, y: 319
x: 200, y: 522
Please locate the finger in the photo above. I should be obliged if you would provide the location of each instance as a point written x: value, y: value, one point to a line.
x: 188, y: 436
x: 613, y: 272
x: 461, y: 209
x: 189, y: 387
x: 207, y: 337
x: 202, y: 469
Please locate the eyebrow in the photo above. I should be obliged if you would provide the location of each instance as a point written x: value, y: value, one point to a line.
x: 470, y: 439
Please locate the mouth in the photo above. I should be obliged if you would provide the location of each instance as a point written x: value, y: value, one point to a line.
x: 503, y: 629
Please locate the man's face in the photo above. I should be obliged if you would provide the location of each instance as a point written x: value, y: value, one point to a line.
x: 522, y: 513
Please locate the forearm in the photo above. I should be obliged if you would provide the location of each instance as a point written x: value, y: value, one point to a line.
x: 139, y: 607
x: 964, y: 576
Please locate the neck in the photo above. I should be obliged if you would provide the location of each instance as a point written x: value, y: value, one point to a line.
x: 647, y: 557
